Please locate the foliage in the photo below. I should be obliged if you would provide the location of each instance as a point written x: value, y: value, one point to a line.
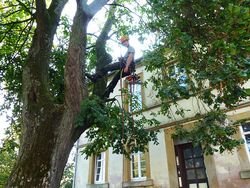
x: 16, y: 27
x: 8, y: 152
x: 213, y: 133
x: 7, y: 159
x: 113, y: 127
x: 207, y: 43
x: 68, y: 175
x: 58, y: 59
x: 209, y: 40
x: 56, y: 73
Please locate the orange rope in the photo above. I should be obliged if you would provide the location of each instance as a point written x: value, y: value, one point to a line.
x: 132, y: 80
x: 122, y: 107
x: 132, y: 88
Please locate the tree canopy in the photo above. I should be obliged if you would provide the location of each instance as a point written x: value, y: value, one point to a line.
x: 206, y: 44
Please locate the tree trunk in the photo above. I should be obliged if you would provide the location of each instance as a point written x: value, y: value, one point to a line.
x: 48, y: 131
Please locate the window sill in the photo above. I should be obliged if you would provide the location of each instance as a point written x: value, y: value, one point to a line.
x: 101, y: 185
x: 245, y: 174
x: 144, y: 183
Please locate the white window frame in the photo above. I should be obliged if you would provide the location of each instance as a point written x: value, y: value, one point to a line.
x: 102, y: 168
x: 137, y: 92
x: 243, y: 135
x: 140, y: 177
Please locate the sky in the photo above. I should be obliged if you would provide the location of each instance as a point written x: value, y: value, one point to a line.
x: 3, y: 119
x: 117, y: 50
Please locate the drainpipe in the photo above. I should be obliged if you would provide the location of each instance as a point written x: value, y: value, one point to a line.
x: 76, y: 160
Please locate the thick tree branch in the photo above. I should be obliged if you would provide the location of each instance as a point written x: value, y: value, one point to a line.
x: 74, y: 76
x: 93, y: 8
x: 55, y: 8
x: 75, y: 62
x: 107, y: 27
x: 103, y: 57
x: 40, y: 11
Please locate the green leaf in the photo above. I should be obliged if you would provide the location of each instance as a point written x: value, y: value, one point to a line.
x: 247, y: 91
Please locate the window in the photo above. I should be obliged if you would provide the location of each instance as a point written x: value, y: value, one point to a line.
x: 136, y: 170
x: 100, y: 168
x: 190, y: 166
x: 246, y: 135
x: 175, y: 81
x: 179, y: 74
x: 135, y: 93
x: 138, y: 166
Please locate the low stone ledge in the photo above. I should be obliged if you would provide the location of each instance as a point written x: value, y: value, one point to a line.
x: 245, y: 174
x: 135, y: 184
x: 103, y: 185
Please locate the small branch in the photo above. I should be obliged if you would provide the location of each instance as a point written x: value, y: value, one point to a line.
x: 25, y: 7
x: 25, y: 40
x: 16, y: 22
x: 115, y: 32
x: 92, y: 34
x: 148, y: 2
x: 117, y: 4
x: 8, y: 7
x: 108, y: 37
x: 5, y: 16
x: 5, y: 33
x: 120, y: 5
x: 20, y: 35
x: 89, y: 47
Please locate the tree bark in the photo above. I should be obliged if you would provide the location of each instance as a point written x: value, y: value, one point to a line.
x: 48, y: 131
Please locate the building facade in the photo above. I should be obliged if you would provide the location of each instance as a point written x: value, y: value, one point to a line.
x: 173, y: 163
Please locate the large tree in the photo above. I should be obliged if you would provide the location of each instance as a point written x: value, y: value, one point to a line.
x: 57, y: 109
x: 48, y: 131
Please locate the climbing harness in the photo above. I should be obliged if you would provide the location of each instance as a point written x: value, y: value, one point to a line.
x: 132, y: 79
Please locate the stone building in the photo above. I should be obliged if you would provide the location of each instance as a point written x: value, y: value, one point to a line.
x: 173, y: 163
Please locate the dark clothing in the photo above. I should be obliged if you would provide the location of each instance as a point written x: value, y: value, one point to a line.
x: 120, y: 65
x: 116, y: 78
x: 115, y: 66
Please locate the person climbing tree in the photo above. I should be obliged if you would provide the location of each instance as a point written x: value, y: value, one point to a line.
x: 125, y: 65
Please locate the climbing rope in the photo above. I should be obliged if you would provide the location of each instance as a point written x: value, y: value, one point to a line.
x: 121, y: 71
x: 132, y: 80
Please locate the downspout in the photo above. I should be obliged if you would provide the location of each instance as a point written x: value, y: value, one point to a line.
x: 76, y: 160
